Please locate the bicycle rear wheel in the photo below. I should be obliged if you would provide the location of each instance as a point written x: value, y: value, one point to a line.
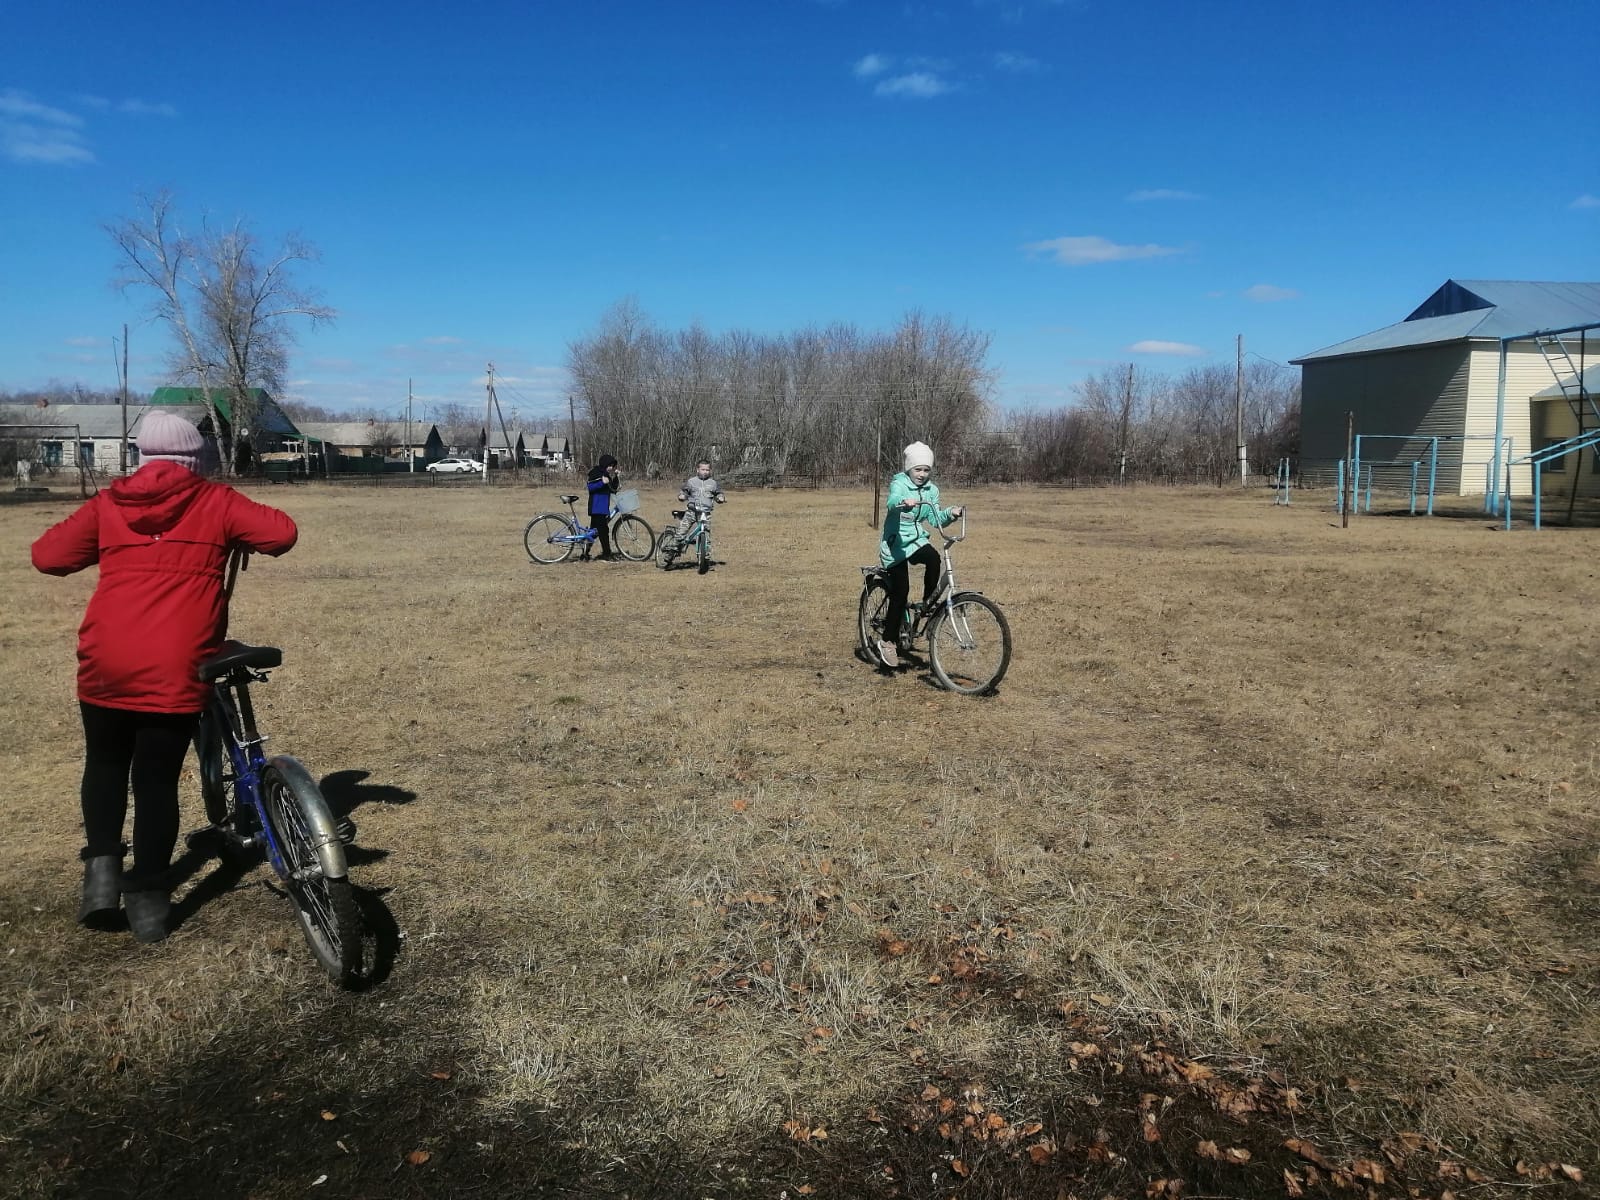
x: 869, y: 618
x: 313, y: 868
x: 633, y: 538
x: 969, y: 644
x: 540, y: 538
x: 666, y: 548
x: 209, y: 748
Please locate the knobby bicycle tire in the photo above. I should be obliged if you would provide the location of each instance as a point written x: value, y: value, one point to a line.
x: 314, y: 864
x: 969, y: 644
x: 632, y: 537
x: 666, y: 548
x: 702, y: 550
x: 539, y: 538
x: 869, y: 618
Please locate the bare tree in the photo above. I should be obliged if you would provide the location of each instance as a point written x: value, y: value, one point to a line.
x: 228, y: 305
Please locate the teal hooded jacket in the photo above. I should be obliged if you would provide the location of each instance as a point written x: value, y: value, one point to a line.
x: 903, y: 534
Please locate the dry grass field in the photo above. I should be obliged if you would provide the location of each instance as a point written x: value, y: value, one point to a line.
x: 1271, y: 870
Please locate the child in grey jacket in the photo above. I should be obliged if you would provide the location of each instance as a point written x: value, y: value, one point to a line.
x: 699, y: 491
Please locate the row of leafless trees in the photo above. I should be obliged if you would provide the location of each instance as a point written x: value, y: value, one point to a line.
x: 835, y: 401
x: 1129, y: 424
x: 821, y: 401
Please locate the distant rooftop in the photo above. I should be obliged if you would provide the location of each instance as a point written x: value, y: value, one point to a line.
x: 1478, y: 310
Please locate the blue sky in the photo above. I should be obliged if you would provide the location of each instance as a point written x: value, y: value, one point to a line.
x: 1088, y: 182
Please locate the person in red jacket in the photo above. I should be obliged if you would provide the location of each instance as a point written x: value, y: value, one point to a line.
x: 161, y: 537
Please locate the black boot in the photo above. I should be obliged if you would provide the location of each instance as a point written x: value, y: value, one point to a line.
x: 148, y: 913
x: 102, y: 890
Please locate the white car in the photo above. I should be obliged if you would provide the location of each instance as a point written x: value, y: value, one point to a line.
x: 452, y: 465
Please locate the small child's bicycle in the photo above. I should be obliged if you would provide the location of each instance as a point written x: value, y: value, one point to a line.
x: 551, y: 537
x: 969, y: 640
x: 670, y: 544
x: 272, y: 808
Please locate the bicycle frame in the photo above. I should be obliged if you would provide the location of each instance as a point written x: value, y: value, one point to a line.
x: 235, y: 721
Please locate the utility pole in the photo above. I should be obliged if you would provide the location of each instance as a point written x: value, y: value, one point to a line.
x: 411, y: 459
x: 124, y: 463
x: 572, y: 431
x: 877, y: 468
x: 488, y: 406
x: 1349, y: 498
x: 1122, y: 432
x: 1238, y: 415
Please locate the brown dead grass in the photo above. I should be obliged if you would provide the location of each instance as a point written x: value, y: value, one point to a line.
x: 678, y: 875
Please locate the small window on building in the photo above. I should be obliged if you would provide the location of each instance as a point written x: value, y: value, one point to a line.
x: 86, y: 453
x: 50, y: 453
x: 1553, y: 466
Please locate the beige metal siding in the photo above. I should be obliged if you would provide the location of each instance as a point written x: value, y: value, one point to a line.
x: 1526, y: 373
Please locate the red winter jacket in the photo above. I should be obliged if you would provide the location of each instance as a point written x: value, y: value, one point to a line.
x: 161, y: 537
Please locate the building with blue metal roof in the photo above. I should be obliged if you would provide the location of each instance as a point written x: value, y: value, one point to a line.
x: 1436, y: 374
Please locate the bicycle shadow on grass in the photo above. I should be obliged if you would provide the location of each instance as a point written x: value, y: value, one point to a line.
x: 346, y: 791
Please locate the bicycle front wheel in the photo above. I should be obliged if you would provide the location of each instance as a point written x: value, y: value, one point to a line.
x: 313, y: 868
x: 969, y: 645
x: 702, y: 550
x: 869, y: 619
x: 633, y: 538
x: 547, y: 538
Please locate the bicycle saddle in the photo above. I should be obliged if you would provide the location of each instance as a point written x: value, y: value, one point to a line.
x: 678, y: 512
x: 234, y: 655
x: 567, y: 499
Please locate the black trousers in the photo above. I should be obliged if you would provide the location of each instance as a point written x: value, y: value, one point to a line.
x: 601, y: 523
x: 900, y: 587
x: 145, y: 750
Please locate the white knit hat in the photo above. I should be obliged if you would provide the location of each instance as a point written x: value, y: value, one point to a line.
x: 169, y: 438
x: 918, y: 454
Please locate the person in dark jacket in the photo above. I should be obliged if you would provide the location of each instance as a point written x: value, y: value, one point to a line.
x: 161, y: 537
x: 604, y: 479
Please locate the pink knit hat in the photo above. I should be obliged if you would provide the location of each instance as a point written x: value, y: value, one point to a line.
x: 164, y: 437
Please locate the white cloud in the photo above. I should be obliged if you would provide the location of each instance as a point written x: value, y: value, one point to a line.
x: 1078, y: 251
x: 442, y: 340
x: 1016, y: 64
x: 144, y: 108
x: 31, y: 132
x: 919, y: 85
x: 872, y: 64
x: 1587, y: 200
x: 1177, y: 349
x: 1146, y: 194
x: 1266, y: 293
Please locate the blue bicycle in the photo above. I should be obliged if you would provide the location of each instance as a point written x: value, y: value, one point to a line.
x: 271, y: 807
x: 551, y: 537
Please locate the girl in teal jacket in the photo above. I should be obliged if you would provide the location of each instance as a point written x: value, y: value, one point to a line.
x: 913, y: 500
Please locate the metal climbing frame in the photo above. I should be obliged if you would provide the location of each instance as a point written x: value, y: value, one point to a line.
x: 1553, y: 345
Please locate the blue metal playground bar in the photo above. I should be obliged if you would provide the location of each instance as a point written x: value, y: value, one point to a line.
x: 1433, y: 464
x: 1537, y: 459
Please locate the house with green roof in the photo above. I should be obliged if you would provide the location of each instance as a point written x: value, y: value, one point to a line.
x: 1436, y: 374
x: 272, y: 429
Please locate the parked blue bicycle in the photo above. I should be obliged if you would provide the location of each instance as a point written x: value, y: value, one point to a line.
x: 671, y: 543
x: 551, y: 537
x: 272, y: 808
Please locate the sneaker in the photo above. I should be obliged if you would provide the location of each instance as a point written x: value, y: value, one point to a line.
x: 888, y: 654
